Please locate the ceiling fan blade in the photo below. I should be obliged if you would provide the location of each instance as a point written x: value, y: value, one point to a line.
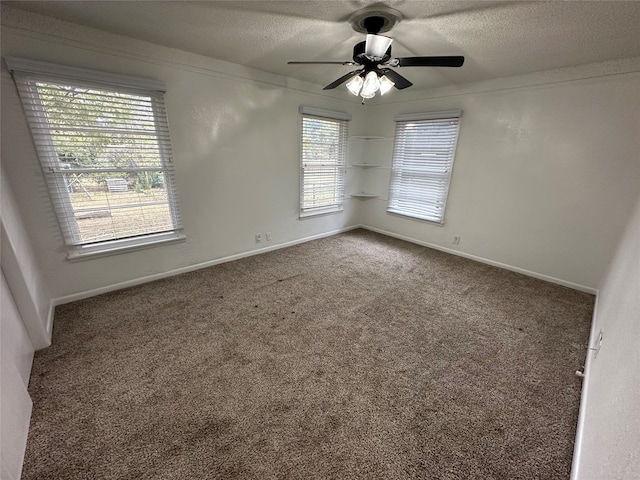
x: 399, y: 81
x: 322, y: 63
x: 377, y: 45
x: 343, y: 79
x: 430, y: 61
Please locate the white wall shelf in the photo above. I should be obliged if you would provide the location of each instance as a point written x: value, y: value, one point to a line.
x: 368, y: 154
x: 364, y: 195
x: 367, y: 137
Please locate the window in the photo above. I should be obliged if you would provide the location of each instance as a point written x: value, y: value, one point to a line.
x: 103, y: 143
x: 323, y: 154
x: 423, y: 154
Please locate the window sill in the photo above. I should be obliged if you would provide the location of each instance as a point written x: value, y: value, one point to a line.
x: 115, y: 247
x: 437, y: 222
x: 320, y: 211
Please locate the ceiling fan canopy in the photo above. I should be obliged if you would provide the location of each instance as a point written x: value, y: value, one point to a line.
x: 377, y: 19
x: 374, y: 56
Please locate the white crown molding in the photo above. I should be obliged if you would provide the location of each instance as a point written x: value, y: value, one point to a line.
x: 586, y: 72
x: 28, y: 25
x: 27, y: 66
x: 23, y: 24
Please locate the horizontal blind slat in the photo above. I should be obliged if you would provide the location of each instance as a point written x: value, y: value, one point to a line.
x: 106, y: 156
x: 323, y: 145
x: 423, y: 157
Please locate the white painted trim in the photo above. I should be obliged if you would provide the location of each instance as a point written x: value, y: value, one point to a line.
x: 218, y: 69
x: 529, y: 273
x: 321, y: 112
x: 150, y: 278
x: 616, y: 67
x: 540, y: 79
x: 29, y: 66
x: 577, y: 448
x: 414, y: 117
x: 115, y: 247
x: 316, y: 212
x: 49, y: 323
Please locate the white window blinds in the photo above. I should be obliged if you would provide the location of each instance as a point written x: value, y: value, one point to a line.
x: 423, y: 157
x: 323, y: 146
x: 105, y: 151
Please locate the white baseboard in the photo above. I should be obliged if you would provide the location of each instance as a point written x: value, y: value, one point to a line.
x: 190, y: 268
x: 48, y: 328
x: 577, y: 448
x: 558, y: 281
x: 149, y: 278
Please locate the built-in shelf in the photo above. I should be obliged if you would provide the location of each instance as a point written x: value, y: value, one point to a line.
x: 364, y: 154
x: 364, y: 195
x: 365, y: 165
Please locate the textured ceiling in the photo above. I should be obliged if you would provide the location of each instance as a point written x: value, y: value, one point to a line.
x: 497, y: 38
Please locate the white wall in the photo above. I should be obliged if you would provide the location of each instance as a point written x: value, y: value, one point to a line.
x: 544, y: 180
x: 546, y: 176
x: 22, y: 272
x: 608, y: 445
x: 236, y: 149
x: 546, y: 172
x: 16, y: 355
x: 25, y: 324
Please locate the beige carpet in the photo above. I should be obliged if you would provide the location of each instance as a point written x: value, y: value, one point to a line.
x: 355, y: 356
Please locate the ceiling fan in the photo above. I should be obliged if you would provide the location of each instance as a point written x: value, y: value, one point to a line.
x: 374, y: 56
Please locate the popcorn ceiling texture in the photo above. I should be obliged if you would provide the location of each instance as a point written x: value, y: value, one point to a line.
x: 354, y: 356
x: 497, y: 38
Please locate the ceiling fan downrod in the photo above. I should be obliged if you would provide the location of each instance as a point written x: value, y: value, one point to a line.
x: 373, y: 24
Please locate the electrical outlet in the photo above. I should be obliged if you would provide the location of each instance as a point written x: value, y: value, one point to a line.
x: 258, y: 237
x: 456, y: 240
x: 268, y: 236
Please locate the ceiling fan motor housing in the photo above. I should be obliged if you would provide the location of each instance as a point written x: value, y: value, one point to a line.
x: 372, y: 21
x: 359, y: 56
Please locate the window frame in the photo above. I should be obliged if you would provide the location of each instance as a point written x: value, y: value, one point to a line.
x: 26, y: 72
x: 400, y: 165
x: 342, y: 119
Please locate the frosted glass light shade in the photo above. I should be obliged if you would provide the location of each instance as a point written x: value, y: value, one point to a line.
x: 377, y: 45
x: 355, y: 84
x: 385, y: 84
x: 370, y: 86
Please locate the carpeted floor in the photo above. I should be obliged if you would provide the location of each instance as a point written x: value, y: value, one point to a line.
x: 354, y: 356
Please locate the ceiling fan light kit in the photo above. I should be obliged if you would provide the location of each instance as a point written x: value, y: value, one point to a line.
x: 374, y: 56
x: 355, y: 85
x: 385, y: 84
x: 368, y: 86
